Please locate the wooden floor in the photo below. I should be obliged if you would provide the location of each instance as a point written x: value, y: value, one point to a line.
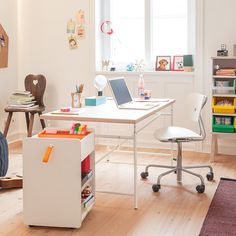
x: 175, y: 210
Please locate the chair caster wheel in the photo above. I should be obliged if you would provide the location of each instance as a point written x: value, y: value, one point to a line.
x: 156, y: 187
x: 144, y: 175
x: 210, y: 176
x: 200, y: 188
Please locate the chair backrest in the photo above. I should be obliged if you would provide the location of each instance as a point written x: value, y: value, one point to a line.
x: 195, y: 104
x: 36, y: 84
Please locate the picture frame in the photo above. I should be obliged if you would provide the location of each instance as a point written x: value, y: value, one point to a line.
x: 163, y: 63
x: 178, y: 63
x: 76, y: 100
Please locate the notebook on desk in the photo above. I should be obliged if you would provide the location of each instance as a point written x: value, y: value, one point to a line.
x: 123, y: 98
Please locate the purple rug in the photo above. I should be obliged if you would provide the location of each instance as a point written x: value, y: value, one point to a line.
x: 221, y: 216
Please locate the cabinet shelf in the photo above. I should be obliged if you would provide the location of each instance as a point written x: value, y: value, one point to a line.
x: 223, y: 100
x: 224, y: 58
x: 224, y: 76
x: 223, y: 114
x: 224, y: 95
x: 223, y: 88
x: 227, y: 135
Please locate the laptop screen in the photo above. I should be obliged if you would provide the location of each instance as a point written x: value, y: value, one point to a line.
x: 120, y: 91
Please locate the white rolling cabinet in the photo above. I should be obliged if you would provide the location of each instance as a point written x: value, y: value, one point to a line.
x: 52, y: 190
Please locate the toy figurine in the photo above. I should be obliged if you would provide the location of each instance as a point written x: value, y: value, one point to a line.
x: 86, y: 192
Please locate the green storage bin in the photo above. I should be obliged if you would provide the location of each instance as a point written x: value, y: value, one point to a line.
x: 222, y: 128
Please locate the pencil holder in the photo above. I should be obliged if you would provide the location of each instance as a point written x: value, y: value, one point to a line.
x: 76, y: 100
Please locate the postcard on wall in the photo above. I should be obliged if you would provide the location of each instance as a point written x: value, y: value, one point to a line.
x: 80, y: 17
x: 81, y: 24
x: 73, y: 44
x: 81, y: 32
x: 71, y: 27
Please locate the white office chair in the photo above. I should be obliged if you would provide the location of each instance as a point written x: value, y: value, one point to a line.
x: 179, y: 135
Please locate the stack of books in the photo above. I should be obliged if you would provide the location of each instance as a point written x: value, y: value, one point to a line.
x: 22, y: 99
x: 226, y: 72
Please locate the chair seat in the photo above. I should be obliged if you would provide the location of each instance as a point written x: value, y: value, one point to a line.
x: 39, y: 109
x: 176, y: 134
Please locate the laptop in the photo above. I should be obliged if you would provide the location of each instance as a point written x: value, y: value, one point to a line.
x: 123, y: 98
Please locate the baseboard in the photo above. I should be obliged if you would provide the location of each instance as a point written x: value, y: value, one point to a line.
x: 15, y: 144
x: 13, y: 137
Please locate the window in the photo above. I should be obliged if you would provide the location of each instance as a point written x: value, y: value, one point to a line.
x: 143, y: 29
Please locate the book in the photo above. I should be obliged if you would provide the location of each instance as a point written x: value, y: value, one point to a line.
x: 21, y: 98
x: 30, y: 106
x: 71, y: 112
x: 21, y: 102
x: 226, y: 72
x: 21, y: 93
x: 188, y: 60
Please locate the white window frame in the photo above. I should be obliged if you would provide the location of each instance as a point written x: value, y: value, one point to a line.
x: 105, y: 43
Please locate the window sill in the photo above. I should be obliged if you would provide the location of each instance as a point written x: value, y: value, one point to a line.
x: 134, y: 73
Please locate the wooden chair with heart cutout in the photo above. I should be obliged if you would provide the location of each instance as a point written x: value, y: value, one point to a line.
x: 36, y: 85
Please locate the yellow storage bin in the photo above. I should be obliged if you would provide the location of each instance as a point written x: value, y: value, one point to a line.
x: 224, y: 105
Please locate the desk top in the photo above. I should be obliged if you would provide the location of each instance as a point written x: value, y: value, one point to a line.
x: 109, y: 113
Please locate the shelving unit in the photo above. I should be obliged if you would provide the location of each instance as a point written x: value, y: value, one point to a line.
x: 223, y: 101
x: 52, y: 193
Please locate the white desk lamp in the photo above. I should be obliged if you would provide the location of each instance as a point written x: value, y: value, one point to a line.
x: 100, y: 83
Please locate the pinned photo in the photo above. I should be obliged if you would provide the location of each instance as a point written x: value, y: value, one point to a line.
x: 73, y: 44
x: 80, y: 17
x: 71, y: 27
x: 81, y: 32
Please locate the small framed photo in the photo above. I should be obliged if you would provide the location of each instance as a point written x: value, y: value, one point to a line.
x: 178, y: 63
x: 76, y: 100
x: 163, y: 63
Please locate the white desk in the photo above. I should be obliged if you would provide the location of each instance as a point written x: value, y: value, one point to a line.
x: 109, y: 113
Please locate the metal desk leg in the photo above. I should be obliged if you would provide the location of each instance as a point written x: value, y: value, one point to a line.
x: 172, y: 123
x: 171, y: 115
x: 135, y: 170
x: 214, y: 148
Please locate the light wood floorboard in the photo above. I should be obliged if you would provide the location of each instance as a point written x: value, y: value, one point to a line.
x: 175, y: 210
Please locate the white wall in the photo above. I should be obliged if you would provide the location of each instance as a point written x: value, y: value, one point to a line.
x: 44, y: 49
x: 8, y: 76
